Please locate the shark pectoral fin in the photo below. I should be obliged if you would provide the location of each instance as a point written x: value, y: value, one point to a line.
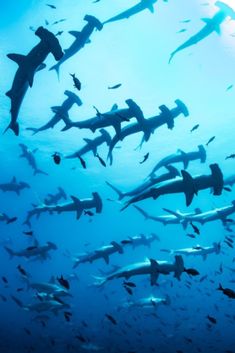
x: 154, y: 273
x: 18, y: 58
x: 151, y: 8
x: 185, y: 159
x: 76, y: 34
x: 78, y: 205
x: 189, y: 187
x: 154, y: 278
x: 30, y: 76
x: 117, y: 128
x: 106, y: 258
x: 117, y: 247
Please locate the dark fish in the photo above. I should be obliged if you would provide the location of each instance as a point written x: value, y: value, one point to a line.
x: 231, y: 156
x: 67, y: 315
x: 129, y: 290
x: 19, y: 289
x: 27, y: 331
x: 115, y: 86
x: 226, y: 188
x: 5, y: 280
x: 165, y: 250
x: 88, y: 213
x: 76, y: 82
x: 83, y: 163
x: 80, y: 338
x: 21, y: 270
x: 228, y: 243
x: 195, y: 127
x: 101, y: 160
x: 210, y: 140
x: 195, y: 228
x: 12, y: 220
x: 124, y: 242
x: 59, y: 33
x: 30, y: 233
x: 191, y: 235
x: 111, y: 318
x: 211, y: 319
x: 227, y: 291
x: 129, y: 284
x: 51, y: 6
x: 63, y: 282
x: 191, y: 272
x: 145, y: 158
x: 229, y: 87
x: 182, y: 30
x: 56, y: 158
x: 185, y: 21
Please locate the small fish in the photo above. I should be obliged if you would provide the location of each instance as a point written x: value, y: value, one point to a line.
x: 191, y: 235
x: 67, y: 315
x: 4, y: 279
x: 101, y: 160
x: 64, y: 282
x: 185, y: 21
x: 80, y: 338
x: 129, y: 290
x: 210, y: 140
x: 111, y: 318
x: 226, y: 188
x: 83, y: 163
x: 20, y: 289
x: 94, y: 2
x: 182, y: 30
x: 231, y: 156
x: 165, y: 250
x: 124, y: 242
x: 229, y: 244
x: 115, y: 86
x: 195, y: 127
x: 191, y: 272
x: 21, y: 270
x: 229, y: 87
x: 59, y: 33
x: 46, y: 23
x: 76, y: 82
x: 195, y: 228
x: 227, y: 291
x: 51, y: 6
x: 88, y: 213
x: 145, y: 158
x: 56, y: 158
x: 129, y: 284
x: 12, y: 220
x: 211, y: 319
x: 30, y: 233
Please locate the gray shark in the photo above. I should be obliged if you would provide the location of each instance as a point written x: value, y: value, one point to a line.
x: 151, y: 267
x: 140, y: 240
x: 61, y: 113
x: 186, y: 184
x: 81, y: 39
x: 54, y: 199
x: 199, y: 250
x: 148, y: 126
x: 150, y: 302
x: 28, y: 65
x: 44, y: 305
x: 5, y: 218
x: 92, y: 145
x: 172, y: 173
x: 102, y: 253
x: 49, y: 289
x: 114, y: 118
x: 76, y: 205
x: 14, y: 186
x: 211, y: 25
x: 141, y: 6
x: 183, y: 157
x: 33, y: 251
x: 29, y: 156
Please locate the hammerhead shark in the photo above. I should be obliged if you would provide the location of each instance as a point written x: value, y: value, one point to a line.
x: 150, y: 267
x: 28, y: 65
x: 76, y: 205
x: 148, y: 126
x: 102, y: 253
x: 54, y: 199
x: 141, y: 6
x: 61, y: 113
x: 5, y: 218
x: 14, y: 186
x: 140, y: 240
x: 92, y: 145
x: 220, y: 214
x: 114, y: 118
x: 211, y: 25
x: 81, y: 39
x: 186, y: 184
x: 33, y: 251
x: 199, y: 250
x: 171, y: 174
x: 183, y: 157
x: 146, y: 303
x: 29, y: 156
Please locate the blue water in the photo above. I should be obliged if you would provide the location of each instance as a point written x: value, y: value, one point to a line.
x: 134, y: 52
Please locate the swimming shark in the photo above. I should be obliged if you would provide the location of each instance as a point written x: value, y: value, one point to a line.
x: 211, y: 25
x: 49, y: 289
x: 61, y: 113
x: 141, y: 6
x: 36, y: 250
x: 44, y: 305
x: 14, y: 186
x: 29, y: 156
x: 102, y: 253
x: 92, y: 145
x: 28, y: 65
x: 183, y: 157
x: 199, y: 250
x: 113, y: 118
x: 140, y: 240
x: 150, y: 302
x: 54, y: 199
x: 5, y: 218
x: 148, y: 126
x: 150, y: 267
x: 76, y: 205
x: 186, y: 184
x: 81, y: 39
x: 172, y: 173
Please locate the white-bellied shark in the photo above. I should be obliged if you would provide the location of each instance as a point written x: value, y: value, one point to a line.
x: 40, y: 251
x: 14, y: 186
x: 61, y: 113
x: 43, y: 305
x: 171, y: 174
x: 148, y: 126
x: 181, y: 156
x: 140, y: 240
x: 54, y: 199
x: 81, y: 39
x: 211, y: 25
x: 28, y: 65
x: 186, y: 184
x: 150, y: 267
x: 199, y: 250
x: 29, y: 156
x: 150, y: 302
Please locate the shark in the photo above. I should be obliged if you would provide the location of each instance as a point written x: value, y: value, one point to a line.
x: 60, y: 113
x: 199, y: 251
x: 148, y: 126
x: 81, y: 39
x: 211, y: 25
x: 5, y: 218
x: 52, y: 305
x: 54, y: 199
x: 40, y: 251
x: 28, y: 65
x: 29, y: 156
x: 14, y: 186
x: 150, y: 302
x: 186, y: 184
x: 140, y: 240
x: 183, y: 157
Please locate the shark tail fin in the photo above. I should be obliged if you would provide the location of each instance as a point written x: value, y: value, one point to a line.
x: 189, y: 187
x: 118, y: 247
x: 38, y: 171
x: 56, y: 67
x: 140, y: 210
x: 14, y: 126
x: 10, y: 252
x: 179, y: 266
x: 119, y: 192
x: 110, y: 156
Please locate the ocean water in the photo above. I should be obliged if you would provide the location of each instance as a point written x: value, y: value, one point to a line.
x: 135, y: 53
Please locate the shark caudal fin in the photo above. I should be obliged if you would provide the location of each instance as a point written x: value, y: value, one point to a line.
x: 119, y: 192
x: 141, y: 211
x: 97, y: 202
x: 10, y: 252
x: 38, y: 171
x: 14, y: 126
x: 179, y: 266
x: 56, y: 67
x: 62, y: 193
x: 217, y: 179
x: 202, y: 153
x: 189, y: 187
